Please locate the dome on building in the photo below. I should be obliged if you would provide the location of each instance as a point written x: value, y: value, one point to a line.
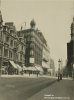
x: 32, y: 23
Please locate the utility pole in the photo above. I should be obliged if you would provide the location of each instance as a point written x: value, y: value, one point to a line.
x: 59, y: 70
x: 59, y: 66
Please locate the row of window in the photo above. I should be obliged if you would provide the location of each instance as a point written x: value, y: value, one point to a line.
x: 11, y: 55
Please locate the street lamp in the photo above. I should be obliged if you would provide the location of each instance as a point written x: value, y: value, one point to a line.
x: 59, y: 62
x: 59, y: 74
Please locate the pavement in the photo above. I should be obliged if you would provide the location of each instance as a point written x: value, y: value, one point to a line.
x: 62, y: 90
x: 24, y: 76
x: 34, y: 76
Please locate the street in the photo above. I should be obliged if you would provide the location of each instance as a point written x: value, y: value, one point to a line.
x: 22, y: 88
x: 35, y: 88
x: 62, y: 90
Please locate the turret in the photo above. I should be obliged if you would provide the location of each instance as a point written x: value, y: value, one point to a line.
x: 32, y: 24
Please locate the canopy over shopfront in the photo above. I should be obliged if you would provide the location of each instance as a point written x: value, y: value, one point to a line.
x: 13, y: 64
x: 32, y: 69
x: 45, y: 65
x: 24, y: 68
x: 19, y: 67
x: 39, y: 68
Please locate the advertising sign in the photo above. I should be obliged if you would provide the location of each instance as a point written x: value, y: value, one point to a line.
x: 31, y: 60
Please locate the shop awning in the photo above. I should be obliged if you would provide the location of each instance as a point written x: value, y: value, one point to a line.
x: 13, y: 64
x: 19, y: 67
x: 39, y: 68
x: 31, y: 68
x: 45, y: 67
x: 24, y: 68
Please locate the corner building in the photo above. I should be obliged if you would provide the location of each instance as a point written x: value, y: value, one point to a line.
x: 35, y: 42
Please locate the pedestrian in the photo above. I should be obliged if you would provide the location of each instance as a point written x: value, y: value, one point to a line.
x: 37, y: 74
x: 29, y: 73
x: 58, y: 76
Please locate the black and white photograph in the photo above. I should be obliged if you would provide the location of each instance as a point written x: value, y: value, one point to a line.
x: 36, y: 49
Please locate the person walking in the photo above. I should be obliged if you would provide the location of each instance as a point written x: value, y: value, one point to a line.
x: 58, y: 76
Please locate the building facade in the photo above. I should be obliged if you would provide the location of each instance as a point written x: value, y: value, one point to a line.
x: 46, y: 58
x: 70, y: 51
x: 12, y: 50
x: 36, y: 47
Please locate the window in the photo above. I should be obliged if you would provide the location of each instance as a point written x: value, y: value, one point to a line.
x: 10, y: 54
x: 31, y: 52
x: 14, y: 43
x: 32, y: 39
x: 5, y: 52
x: 7, y: 39
x: 20, y: 39
x: 22, y: 48
x: 11, y: 43
x: 0, y: 35
x: 0, y: 51
x: 20, y: 57
x: 28, y: 38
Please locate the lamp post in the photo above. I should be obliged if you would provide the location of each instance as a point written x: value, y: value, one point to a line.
x: 59, y: 64
x: 59, y: 67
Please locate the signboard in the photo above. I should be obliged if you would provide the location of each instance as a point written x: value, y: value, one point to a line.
x: 31, y: 60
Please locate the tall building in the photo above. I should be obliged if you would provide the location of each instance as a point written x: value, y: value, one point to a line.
x: 70, y: 51
x: 1, y: 40
x: 12, y: 49
x: 52, y: 67
x: 36, y: 47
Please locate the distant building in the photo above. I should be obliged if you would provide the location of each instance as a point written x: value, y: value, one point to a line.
x: 70, y: 51
x: 12, y: 50
x: 52, y: 67
x: 36, y: 48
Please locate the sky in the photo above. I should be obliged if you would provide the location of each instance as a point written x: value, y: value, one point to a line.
x: 53, y: 18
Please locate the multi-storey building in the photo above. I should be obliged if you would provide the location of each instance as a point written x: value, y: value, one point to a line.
x: 12, y: 49
x: 70, y: 51
x: 36, y: 47
x: 1, y: 40
x: 46, y: 58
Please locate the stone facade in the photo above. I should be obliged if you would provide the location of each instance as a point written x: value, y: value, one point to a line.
x: 37, y: 51
x: 11, y: 48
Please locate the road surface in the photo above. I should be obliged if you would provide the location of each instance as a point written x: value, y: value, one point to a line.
x: 63, y: 90
x: 22, y: 88
x: 40, y: 88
